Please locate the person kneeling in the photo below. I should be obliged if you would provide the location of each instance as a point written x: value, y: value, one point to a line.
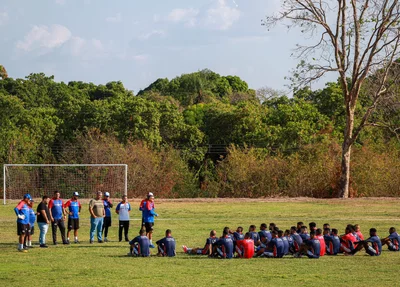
x: 166, y: 246
x: 140, y: 245
x: 372, y: 245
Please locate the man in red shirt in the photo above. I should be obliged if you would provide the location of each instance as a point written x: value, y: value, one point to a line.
x: 320, y: 237
x: 347, y: 246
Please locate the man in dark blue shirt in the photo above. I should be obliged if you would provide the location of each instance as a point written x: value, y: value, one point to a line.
x: 274, y: 249
x: 297, y: 240
x: 393, y: 240
x: 224, y: 246
x: 264, y: 234
x: 332, y: 241
x: 311, y: 247
x: 208, y: 247
x: 372, y: 245
x: 166, y: 246
x: 254, y: 235
x: 140, y: 245
x: 285, y: 242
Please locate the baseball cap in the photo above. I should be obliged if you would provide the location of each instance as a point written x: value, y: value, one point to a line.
x: 150, y: 194
x: 76, y: 193
x: 28, y: 196
x: 107, y: 194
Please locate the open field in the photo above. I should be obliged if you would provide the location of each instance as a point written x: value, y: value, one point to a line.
x: 107, y: 264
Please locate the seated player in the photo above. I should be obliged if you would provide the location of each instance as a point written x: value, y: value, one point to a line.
x: 304, y: 233
x: 332, y: 241
x: 274, y: 249
x: 272, y: 226
x: 320, y: 237
x: 140, y: 245
x: 238, y: 234
x: 264, y: 234
x: 326, y: 225
x: 208, y: 247
x: 297, y: 240
x: 285, y: 242
x: 313, y: 226
x: 299, y: 225
x: 348, y: 241
x: 392, y: 241
x: 310, y: 247
x: 166, y: 246
x: 372, y: 245
x: 358, y: 232
x: 254, y: 235
x: 288, y: 238
x: 245, y: 248
x: 224, y: 246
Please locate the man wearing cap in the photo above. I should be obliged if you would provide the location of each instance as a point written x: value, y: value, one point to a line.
x: 148, y: 214
x: 32, y: 219
x: 57, y: 217
x: 74, y: 209
x: 43, y: 220
x: 123, y: 209
x: 97, y: 213
x: 22, y: 212
x: 107, y: 219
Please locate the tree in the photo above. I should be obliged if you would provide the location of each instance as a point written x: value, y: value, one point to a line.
x: 3, y: 72
x: 356, y: 39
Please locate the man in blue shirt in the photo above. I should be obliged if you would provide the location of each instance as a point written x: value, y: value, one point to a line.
x: 140, y: 245
x: 311, y: 247
x: 224, y: 246
x: 57, y: 216
x: 304, y: 233
x: 275, y: 247
x: 148, y: 215
x: 254, y: 235
x: 74, y: 209
x: 264, y: 234
x: 166, y: 246
x: 372, y: 245
x: 393, y: 240
x: 332, y: 241
x: 208, y: 247
x: 285, y: 242
x: 107, y: 219
x: 22, y: 213
x: 32, y: 220
x: 297, y: 240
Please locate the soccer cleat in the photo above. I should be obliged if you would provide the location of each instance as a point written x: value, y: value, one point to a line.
x: 66, y: 242
x: 184, y: 248
x: 105, y: 239
x: 76, y: 241
x: 22, y: 250
x: 91, y: 241
x: 151, y: 246
x: 100, y: 241
x: 126, y: 239
x: 43, y: 246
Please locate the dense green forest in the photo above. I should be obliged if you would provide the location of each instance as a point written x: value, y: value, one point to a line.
x: 201, y: 134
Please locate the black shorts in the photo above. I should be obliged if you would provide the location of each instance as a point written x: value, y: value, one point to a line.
x: 22, y: 228
x: 149, y: 226
x: 73, y: 223
x: 107, y: 221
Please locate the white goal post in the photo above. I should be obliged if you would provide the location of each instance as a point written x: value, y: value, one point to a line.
x: 41, y: 179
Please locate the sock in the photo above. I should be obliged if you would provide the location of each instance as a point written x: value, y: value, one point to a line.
x: 151, y: 241
x: 29, y: 243
x: 20, y: 246
x: 76, y: 238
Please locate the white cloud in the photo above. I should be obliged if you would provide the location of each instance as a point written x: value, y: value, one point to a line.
x: 141, y: 58
x: 60, y: 2
x: 222, y: 16
x: 3, y: 18
x: 86, y: 48
x: 45, y: 37
x: 146, y: 36
x: 114, y: 19
x: 186, y: 16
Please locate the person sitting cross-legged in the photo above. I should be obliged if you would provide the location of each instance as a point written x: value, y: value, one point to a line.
x: 140, y: 245
x: 207, y: 249
x: 166, y: 246
x: 372, y: 245
x: 393, y: 240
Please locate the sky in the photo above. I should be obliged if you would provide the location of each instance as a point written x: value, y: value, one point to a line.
x: 137, y: 42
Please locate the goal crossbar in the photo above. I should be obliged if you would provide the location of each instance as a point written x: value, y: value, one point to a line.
x: 5, y: 166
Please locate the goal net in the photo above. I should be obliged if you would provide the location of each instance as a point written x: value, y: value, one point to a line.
x: 44, y: 179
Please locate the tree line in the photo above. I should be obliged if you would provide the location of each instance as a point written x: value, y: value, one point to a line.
x: 268, y: 143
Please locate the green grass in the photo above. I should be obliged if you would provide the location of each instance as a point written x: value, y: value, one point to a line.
x: 107, y: 264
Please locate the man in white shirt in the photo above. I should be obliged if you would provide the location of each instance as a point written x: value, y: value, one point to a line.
x: 123, y: 209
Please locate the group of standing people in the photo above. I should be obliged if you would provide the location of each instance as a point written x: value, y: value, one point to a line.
x: 54, y: 212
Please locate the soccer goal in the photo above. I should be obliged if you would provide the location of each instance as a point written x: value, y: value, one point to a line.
x: 44, y: 179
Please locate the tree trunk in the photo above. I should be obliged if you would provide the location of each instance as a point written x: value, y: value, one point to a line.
x: 344, y: 183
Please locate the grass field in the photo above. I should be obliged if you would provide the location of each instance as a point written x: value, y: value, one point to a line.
x: 107, y: 264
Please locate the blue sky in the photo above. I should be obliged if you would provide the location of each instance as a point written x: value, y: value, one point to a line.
x: 137, y: 42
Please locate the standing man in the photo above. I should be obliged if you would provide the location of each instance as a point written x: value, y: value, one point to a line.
x: 57, y: 217
x: 97, y: 213
x: 74, y: 209
x: 123, y: 209
x: 43, y: 220
x: 32, y: 219
x: 148, y: 214
x: 166, y: 246
x: 22, y: 212
x: 107, y: 219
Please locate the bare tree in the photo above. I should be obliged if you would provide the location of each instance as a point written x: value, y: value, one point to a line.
x: 267, y: 93
x: 356, y: 39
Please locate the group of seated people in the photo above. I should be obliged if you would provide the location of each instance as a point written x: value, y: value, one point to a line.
x: 275, y: 243
x: 140, y: 245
